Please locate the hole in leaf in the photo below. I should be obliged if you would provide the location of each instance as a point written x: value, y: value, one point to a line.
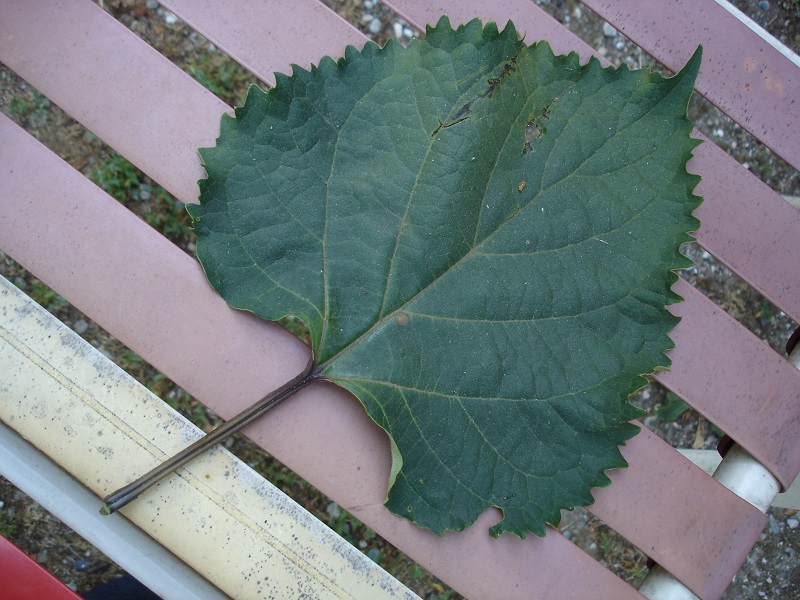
x: 532, y: 132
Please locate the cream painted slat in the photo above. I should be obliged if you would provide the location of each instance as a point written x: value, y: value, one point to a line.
x: 218, y: 515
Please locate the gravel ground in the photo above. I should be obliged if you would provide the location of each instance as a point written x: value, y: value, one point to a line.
x: 771, y: 571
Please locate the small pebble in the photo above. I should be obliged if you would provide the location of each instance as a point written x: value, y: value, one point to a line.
x: 609, y: 30
x: 408, y: 33
x: 81, y: 565
x: 775, y: 526
x: 333, y: 510
x: 567, y: 534
x: 792, y: 523
x: 145, y: 192
x: 398, y: 31
x: 152, y: 4
x: 763, y: 5
x: 374, y: 26
x: 169, y: 18
x: 42, y: 557
x: 20, y: 283
x: 362, y: 544
x: 80, y: 326
x: 374, y: 554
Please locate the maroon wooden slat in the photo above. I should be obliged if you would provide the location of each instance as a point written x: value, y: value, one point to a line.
x: 743, y: 74
x: 154, y: 298
x: 699, y: 541
x: 748, y: 375
x: 95, y: 81
x: 271, y: 35
x: 748, y: 227
x: 530, y: 21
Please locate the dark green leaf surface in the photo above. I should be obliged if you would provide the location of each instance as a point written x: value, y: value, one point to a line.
x: 480, y: 237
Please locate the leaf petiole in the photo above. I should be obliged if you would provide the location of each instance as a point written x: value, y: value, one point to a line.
x: 130, y: 492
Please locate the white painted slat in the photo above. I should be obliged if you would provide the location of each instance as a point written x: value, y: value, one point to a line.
x: 217, y: 515
x: 39, y: 477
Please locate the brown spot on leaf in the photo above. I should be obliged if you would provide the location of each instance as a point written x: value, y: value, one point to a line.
x: 401, y: 320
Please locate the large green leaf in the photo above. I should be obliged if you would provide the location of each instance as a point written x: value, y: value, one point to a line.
x: 480, y: 237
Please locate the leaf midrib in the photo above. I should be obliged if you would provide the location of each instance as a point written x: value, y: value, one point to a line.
x: 326, y: 289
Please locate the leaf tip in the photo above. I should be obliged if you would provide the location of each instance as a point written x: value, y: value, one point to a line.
x: 693, y: 65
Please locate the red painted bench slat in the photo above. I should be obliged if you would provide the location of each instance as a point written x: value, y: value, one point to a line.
x: 22, y: 578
